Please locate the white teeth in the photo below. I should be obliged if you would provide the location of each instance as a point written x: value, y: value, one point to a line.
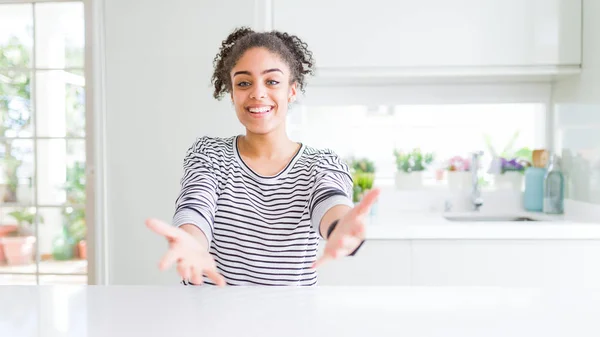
x: 261, y: 109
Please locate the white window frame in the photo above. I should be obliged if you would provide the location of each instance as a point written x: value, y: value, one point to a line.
x: 95, y: 203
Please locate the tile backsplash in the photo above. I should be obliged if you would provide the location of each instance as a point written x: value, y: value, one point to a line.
x: 578, y: 143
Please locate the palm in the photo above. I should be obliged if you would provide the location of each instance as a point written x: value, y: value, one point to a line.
x: 192, y: 259
x: 350, y: 231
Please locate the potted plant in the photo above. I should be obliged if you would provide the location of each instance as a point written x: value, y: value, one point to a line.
x: 511, y: 173
x: 458, y: 173
x: 5, y: 230
x: 76, y: 230
x: 410, y: 167
x: 508, y: 167
x: 19, y: 244
x: 363, y: 182
x: 363, y: 177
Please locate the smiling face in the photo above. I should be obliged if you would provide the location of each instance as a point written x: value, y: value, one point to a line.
x: 261, y: 91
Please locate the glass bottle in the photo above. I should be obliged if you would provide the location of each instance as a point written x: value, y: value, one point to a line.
x: 554, y: 187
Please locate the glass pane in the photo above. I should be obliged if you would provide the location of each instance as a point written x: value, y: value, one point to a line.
x: 63, y: 279
x: 60, y: 34
x: 16, y: 168
x: 17, y: 279
x: 62, y: 240
x: 16, y: 36
x: 61, y: 171
x: 60, y: 103
x: 15, y: 104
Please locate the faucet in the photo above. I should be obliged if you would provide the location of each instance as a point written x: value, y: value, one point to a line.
x: 476, y: 200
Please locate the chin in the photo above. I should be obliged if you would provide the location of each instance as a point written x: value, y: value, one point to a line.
x: 259, y: 131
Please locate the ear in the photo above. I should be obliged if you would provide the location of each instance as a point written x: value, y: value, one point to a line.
x: 292, y: 92
x: 231, y: 95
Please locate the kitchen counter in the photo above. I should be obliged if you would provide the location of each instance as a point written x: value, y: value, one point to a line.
x: 430, y: 226
x: 116, y: 311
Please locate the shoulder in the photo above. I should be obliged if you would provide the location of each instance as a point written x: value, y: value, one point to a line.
x: 211, y: 148
x: 325, y: 159
x: 206, y: 143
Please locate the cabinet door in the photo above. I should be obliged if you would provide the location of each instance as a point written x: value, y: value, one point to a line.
x: 379, y: 262
x: 514, y: 263
x: 433, y: 33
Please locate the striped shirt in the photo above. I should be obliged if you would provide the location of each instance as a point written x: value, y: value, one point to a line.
x: 262, y: 230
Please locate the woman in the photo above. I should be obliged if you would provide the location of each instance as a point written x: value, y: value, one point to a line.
x: 253, y: 207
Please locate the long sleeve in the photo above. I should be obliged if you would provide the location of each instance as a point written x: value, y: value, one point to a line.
x: 333, y: 186
x: 197, y: 199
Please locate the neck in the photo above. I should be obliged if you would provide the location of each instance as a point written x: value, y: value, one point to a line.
x: 268, y: 146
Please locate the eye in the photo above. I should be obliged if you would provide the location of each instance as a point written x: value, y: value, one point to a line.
x: 272, y: 82
x: 243, y: 84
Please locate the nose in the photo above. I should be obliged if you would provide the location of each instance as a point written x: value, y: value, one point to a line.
x: 258, y: 91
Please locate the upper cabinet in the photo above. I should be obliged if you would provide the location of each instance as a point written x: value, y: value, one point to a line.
x: 522, y: 36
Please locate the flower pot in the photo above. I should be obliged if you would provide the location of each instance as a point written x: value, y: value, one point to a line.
x: 82, y: 250
x: 459, y: 180
x: 509, y: 180
x: 4, y: 231
x: 19, y: 250
x: 409, y: 181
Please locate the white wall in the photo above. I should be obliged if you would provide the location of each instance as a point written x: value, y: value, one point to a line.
x: 577, y: 110
x: 158, y: 99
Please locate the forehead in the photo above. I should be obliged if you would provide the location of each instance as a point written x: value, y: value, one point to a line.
x: 255, y: 60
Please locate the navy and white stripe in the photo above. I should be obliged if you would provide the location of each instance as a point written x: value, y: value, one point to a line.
x: 261, y: 230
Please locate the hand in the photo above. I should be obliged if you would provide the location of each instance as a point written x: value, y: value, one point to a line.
x: 349, y: 232
x: 193, y: 260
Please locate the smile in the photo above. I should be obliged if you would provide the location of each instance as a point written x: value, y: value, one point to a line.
x: 260, y: 109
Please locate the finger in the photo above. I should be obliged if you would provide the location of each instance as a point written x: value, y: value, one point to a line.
x: 169, y: 258
x: 368, y: 200
x: 183, y: 268
x: 328, y: 254
x: 320, y: 261
x: 216, y: 277
x: 162, y: 228
x: 197, y: 275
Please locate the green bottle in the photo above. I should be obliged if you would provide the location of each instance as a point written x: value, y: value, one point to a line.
x: 554, y: 187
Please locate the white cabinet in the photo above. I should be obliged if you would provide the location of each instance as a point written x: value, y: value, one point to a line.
x: 378, y: 262
x: 515, y: 263
x: 384, y: 34
x: 502, y: 263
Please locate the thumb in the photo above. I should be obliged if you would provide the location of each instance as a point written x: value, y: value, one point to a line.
x: 367, y: 202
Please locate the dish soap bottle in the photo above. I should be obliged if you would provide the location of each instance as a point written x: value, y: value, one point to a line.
x: 554, y: 187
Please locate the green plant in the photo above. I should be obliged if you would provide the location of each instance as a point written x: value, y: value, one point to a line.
x: 363, y: 176
x: 508, y: 152
x: 363, y: 182
x: 15, y: 108
x: 363, y: 165
x: 413, y: 161
x: 75, y: 190
x: 25, y: 218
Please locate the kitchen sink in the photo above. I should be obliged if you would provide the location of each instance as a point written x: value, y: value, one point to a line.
x: 487, y: 217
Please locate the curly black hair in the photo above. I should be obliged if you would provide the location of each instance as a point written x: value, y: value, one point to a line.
x: 293, y: 51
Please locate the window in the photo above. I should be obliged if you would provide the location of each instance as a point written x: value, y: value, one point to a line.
x: 445, y: 130
x: 42, y: 143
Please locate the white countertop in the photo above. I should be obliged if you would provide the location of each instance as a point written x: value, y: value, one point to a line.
x: 425, y: 226
x: 119, y: 311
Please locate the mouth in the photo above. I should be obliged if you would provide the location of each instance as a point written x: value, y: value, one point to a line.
x: 259, y: 110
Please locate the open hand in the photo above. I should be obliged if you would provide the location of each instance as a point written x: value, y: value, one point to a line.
x: 350, y: 230
x: 193, y: 260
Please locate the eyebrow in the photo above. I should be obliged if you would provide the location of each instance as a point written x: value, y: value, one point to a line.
x: 245, y: 72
